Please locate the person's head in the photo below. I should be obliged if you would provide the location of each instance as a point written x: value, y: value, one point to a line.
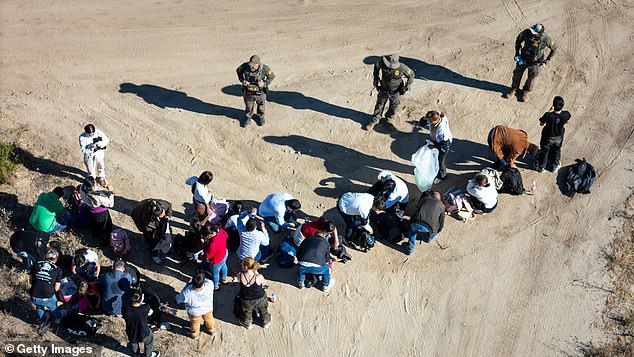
x: 119, y: 264
x: 137, y: 298
x: 59, y: 191
x: 482, y: 180
x: 379, y: 204
x: 254, y: 62
x: 532, y: 148
x: 156, y: 207
x: 237, y: 207
x: 326, y: 225
x: 250, y: 264
x: 205, y: 178
x: 433, y: 116
x: 56, y: 245
x: 89, y: 129
x: 558, y: 103
x: 437, y: 195
x: 79, y: 258
x: 252, y: 224
x: 210, y: 230
x: 293, y: 204
x: 52, y: 255
x: 537, y: 30
x: 82, y: 289
x: 427, y: 194
x: 198, y: 280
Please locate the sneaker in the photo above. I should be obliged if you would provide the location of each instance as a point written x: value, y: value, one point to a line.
x: 155, y: 354
x: 300, y: 284
x: 267, y: 325
x: 509, y: 94
x: 157, y: 260
x: 326, y: 288
x: 389, y: 126
x: 44, y: 324
x: 226, y: 281
x: 477, y: 211
x: 437, y: 181
x: 194, y: 337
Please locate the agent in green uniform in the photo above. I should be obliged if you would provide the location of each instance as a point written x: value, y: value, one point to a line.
x: 529, y: 54
x: 255, y: 78
x: 388, y: 80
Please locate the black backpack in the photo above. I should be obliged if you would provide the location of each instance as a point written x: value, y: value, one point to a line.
x: 389, y: 226
x: 511, y: 181
x: 80, y: 325
x: 363, y: 240
x: 579, y: 178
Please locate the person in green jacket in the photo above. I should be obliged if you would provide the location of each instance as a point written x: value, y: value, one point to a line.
x: 48, y: 213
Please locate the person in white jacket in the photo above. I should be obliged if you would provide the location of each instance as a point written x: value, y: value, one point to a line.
x: 484, y: 196
x: 440, y: 135
x: 93, y: 144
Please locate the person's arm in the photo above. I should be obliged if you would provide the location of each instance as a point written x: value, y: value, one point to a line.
x: 180, y: 298
x: 496, y: 146
x: 98, y: 265
x: 553, y: 47
x: 409, y: 73
x: 264, y: 235
x: 85, y: 143
x: 269, y: 75
x: 518, y: 43
x: 335, y: 237
x: 375, y: 74
x: 260, y: 279
x: 57, y: 284
x: 542, y: 120
x: 58, y: 208
x: 240, y: 72
x: 168, y: 209
x: 104, y: 140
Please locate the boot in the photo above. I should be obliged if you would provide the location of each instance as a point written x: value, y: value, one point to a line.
x: 524, y: 97
x: 245, y: 122
x: 509, y: 94
x: 261, y: 120
x: 371, y: 124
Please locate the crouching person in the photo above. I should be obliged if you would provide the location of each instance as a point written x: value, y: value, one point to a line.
x: 152, y: 218
x: 45, y: 282
x: 252, y: 296
x: 428, y: 220
x: 313, y: 256
x: 135, y: 315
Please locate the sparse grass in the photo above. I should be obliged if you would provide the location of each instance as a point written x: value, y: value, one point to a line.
x: 8, y: 162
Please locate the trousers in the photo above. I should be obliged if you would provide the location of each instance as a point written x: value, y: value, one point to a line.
x: 518, y: 72
x: 95, y: 163
x: 251, y: 101
x: 383, y: 97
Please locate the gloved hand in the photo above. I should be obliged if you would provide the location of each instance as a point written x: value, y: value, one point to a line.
x: 503, y: 163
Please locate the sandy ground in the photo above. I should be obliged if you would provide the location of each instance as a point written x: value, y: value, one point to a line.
x: 158, y: 77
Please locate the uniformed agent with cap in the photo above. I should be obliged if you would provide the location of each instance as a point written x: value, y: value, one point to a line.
x: 388, y: 80
x: 529, y: 47
x: 255, y: 78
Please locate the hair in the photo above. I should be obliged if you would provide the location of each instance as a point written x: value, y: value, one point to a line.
x: 532, y: 148
x: 482, y: 180
x: 205, y: 178
x: 433, y: 115
x: 293, y: 204
x: 198, y: 280
x: 326, y: 225
x: 119, y: 264
x: 89, y: 129
x: 59, y: 191
x: 427, y: 194
x: 137, y: 297
x: 55, y: 245
x: 52, y: 255
x: 250, y: 264
x: 79, y: 259
x: 252, y: 224
x: 195, y: 225
x: 90, y: 183
x: 82, y: 288
x: 379, y: 203
x: 237, y: 207
x: 558, y: 103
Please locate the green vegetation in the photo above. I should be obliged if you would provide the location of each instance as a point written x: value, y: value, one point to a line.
x: 8, y: 162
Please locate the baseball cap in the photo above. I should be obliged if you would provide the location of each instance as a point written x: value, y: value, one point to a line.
x: 254, y: 60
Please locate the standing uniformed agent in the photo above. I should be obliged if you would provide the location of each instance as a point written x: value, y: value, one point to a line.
x: 255, y: 78
x: 388, y: 80
x: 530, y: 56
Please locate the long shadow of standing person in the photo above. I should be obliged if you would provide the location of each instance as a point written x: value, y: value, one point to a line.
x: 167, y: 98
x: 437, y: 73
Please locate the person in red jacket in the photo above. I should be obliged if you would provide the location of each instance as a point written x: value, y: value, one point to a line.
x: 216, y: 253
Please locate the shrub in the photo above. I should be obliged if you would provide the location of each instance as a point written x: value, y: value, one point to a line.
x: 8, y: 162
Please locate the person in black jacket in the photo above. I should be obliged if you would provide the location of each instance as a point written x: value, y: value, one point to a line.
x: 553, y: 122
x: 428, y: 220
x: 30, y: 246
x: 313, y: 256
x: 135, y: 315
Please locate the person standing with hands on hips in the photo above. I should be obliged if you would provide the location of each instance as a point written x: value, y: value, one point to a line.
x: 255, y: 78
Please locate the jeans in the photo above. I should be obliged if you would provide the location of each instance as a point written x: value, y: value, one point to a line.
x: 62, y: 222
x: 148, y: 343
x: 263, y: 253
x: 381, y: 101
x: 443, y: 150
x: 421, y: 232
x: 27, y: 259
x: 42, y: 304
x: 289, y: 217
x: 323, y: 270
x: 549, y: 152
x: 219, y: 271
x: 350, y: 221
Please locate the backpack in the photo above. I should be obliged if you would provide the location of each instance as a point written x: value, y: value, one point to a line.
x: 363, y: 240
x: 579, y: 178
x: 389, y: 226
x: 81, y: 325
x: 511, y: 181
x: 67, y: 289
x: 119, y: 242
x: 286, y: 254
x: 495, y: 175
x: 187, y: 246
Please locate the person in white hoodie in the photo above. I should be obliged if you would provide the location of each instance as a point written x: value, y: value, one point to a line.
x: 93, y: 143
x: 484, y: 196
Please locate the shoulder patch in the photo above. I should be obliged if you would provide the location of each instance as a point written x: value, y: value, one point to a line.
x: 269, y: 72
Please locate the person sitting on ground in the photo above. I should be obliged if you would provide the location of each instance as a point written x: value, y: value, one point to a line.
x: 48, y: 213
x: 390, y: 189
x: 86, y: 264
x: 313, y: 256
x: 484, y: 196
x: 441, y: 137
x: 252, y: 295
x: 355, y: 210
x: 216, y: 253
x: 88, y: 297
x: 135, y: 314
x: 254, y: 239
x: 278, y: 211
x: 98, y: 199
x: 553, y: 122
x: 198, y: 297
x: 115, y: 288
x: 200, y: 191
x: 152, y: 217
x: 508, y: 144
x: 45, y: 282
x: 428, y: 220
x: 30, y: 246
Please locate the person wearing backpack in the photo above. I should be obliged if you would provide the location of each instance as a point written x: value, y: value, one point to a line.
x: 428, y: 220
x: 552, y: 138
x: 152, y: 217
x: 137, y: 330
x: 484, y: 196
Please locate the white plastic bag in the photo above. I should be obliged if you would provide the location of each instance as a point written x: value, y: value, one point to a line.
x: 426, y: 162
